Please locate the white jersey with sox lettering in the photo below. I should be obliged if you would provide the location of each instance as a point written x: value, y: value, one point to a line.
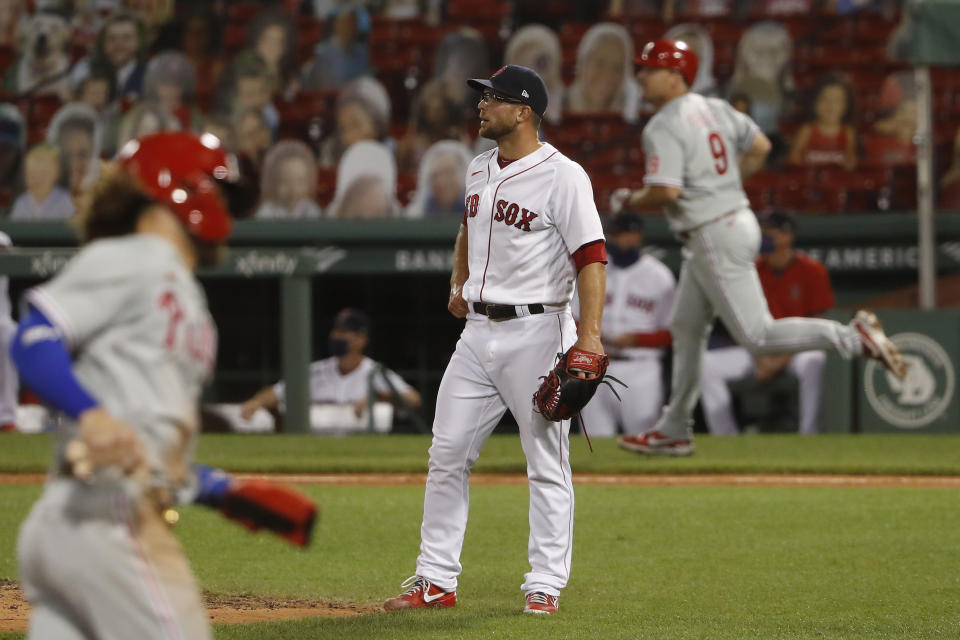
x: 96, y: 558
x: 692, y: 144
x: 523, y: 223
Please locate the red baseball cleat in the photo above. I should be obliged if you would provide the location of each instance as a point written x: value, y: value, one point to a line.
x: 654, y: 443
x: 8, y: 427
x: 541, y: 603
x: 877, y: 345
x: 421, y: 593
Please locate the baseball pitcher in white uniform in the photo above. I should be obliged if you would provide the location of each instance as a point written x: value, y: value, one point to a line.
x: 636, y: 321
x: 9, y: 381
x: 530, y: 232
x: 698, y: 150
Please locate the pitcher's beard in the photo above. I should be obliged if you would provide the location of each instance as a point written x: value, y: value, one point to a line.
x: 495, y: 132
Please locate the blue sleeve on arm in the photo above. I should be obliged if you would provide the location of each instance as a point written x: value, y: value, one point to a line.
x: 44, y: 364
x: 213, y: 485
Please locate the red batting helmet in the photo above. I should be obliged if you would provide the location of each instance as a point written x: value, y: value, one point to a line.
x: 182, y: 172
x: 670, y: 54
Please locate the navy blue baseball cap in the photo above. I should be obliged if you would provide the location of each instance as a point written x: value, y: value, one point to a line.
x: 624, y: 222
x: 352, y: 320
x: 520, y: 83
x: 778, y: 219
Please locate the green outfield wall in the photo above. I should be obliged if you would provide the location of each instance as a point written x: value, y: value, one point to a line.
x: 862, y: 396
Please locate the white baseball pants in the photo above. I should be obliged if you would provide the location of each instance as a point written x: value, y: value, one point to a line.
x: 735, y: 363
x: 497, y: 366
x: 718, y: 277
x: 640, y: 402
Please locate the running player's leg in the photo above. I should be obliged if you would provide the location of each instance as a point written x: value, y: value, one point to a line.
x: 723, y: 262
x: 719, y: 367
x: 468, y: 409
x: 643, y: 398
x: 546, y: 445
x: 691, y: 320
x: 114, y: 569
x: 808, y: 369
x: 49, y: 619
x: 164, y: 580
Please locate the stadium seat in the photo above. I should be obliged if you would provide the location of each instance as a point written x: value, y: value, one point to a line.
x: 406, y: 187
x: 839, y: 30
x: 39, y: 110
x: 873, y: 28
x: 468, y: 11
x: 8, y: 55
x: 309, y: 33
x: 326, y: 185
x: 234, y: 37
x: 242, y: 12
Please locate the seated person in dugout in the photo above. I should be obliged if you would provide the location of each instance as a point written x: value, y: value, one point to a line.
x: 795, y: 285
x: 344, y: 378
x: 636, y: 332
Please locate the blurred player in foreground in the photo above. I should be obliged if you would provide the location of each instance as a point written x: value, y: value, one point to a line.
x: 121, y: 342
x: 698, y: 150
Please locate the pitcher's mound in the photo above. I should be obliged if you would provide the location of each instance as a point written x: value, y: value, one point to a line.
x: 223, y: 609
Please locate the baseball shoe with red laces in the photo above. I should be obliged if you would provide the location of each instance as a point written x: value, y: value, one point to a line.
x: 877, y: 345
x: 654, y: 443
x: 420, y: 592
x: 541, y: 603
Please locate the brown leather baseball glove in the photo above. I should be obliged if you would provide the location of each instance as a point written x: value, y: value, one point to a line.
x: 562, y: 393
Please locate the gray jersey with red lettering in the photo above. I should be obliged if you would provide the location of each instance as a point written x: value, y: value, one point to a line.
x: 692, y: 143
x: 136, y: 320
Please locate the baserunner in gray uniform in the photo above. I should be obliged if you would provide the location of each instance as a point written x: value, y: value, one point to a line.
x: 121, y: 341
x: 698, y: 150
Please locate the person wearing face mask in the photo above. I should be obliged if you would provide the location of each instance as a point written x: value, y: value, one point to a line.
x: 636, y: 320
x: 795, y: 285
x: 344, y: 377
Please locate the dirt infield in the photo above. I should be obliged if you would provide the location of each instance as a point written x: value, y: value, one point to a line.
x: 14, y: 610
x: 228, y: 609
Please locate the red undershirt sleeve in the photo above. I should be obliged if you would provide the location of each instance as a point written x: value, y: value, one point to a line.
x: 653, y: 339
x: 595, y: 251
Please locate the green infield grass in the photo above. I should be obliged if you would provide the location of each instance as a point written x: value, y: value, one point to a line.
x: 867, y: 454
x: 714, y: 563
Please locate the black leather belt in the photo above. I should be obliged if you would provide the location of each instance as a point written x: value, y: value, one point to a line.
x: 504, y: 311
